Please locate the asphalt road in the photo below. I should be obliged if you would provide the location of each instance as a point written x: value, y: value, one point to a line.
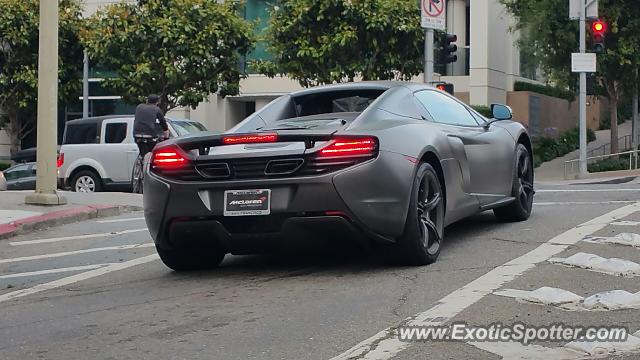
x: 96, y: 290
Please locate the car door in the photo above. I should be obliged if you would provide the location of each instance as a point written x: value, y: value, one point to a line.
x: 485, y: 157
x: 29, y: 182
x: 118, y: 151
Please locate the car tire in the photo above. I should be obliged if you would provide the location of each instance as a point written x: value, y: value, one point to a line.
x: 187, y: 259
x: 424, y: 228
x: 522, y: 189
x: 86, y: 181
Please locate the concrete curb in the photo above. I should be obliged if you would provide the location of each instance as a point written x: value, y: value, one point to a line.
x: 62, y: 217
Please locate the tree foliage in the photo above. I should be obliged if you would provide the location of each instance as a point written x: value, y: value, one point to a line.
x: 326, y: 41
x: 19, y: 24
x: 182, y: 50
x: 552, y: 37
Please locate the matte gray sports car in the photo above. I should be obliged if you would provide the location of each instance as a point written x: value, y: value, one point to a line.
x: 382, y: 162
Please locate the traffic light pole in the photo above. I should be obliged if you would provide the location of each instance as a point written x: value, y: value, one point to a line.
x: 583, y: 94
x: 428, y: 56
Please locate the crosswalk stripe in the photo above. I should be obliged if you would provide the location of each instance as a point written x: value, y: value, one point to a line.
x: 84, y: 251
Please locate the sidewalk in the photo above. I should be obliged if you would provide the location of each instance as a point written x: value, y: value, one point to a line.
x: 16, y: 217
x: 554, y: 169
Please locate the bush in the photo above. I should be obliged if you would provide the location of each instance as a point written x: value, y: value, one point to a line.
x: 4, y: 165
x: 546, y: 148
x: 483, y: 110
x: 610, y: 164
x: 544, y: 90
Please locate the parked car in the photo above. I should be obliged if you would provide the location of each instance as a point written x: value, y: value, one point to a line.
x: 3, y: 182
x: 99, y: 153
x: 19, y: 177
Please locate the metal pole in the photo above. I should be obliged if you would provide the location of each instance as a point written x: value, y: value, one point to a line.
x: 428, y: 56
x: 583, y: 95
x: 47, y: 134
x: 85, y: 86
x: 634, y: 122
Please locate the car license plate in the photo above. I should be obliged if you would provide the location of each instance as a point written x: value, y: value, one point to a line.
x: 247, y: 202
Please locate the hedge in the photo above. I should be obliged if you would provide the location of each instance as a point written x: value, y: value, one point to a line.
x: 610, y: 164
x: 4, y: 165
x: 483, y: 110
x: 546, y: 148
x: 544, y: 90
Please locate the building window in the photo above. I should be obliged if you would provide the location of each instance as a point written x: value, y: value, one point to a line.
x: 257, y: 11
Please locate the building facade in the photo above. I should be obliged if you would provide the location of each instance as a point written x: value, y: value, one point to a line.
x: 488, y: 64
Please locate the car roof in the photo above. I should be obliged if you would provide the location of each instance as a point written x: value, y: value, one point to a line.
x: 100, y: 119
x: 363, y: 85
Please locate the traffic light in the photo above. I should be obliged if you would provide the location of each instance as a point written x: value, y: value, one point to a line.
x: 446, y: 87
x: 591, y: 84
x: 448, y: 49
x: 598, y: 30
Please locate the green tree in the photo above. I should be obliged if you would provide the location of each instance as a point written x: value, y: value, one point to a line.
x: 556, y: 36
x: 182, y: 50
x: 19, y: 23
x: 326, y: 41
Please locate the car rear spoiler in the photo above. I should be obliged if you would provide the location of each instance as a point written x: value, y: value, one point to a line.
x: 204, y: 142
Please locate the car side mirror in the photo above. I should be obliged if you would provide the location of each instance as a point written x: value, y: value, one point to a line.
x: 501, y: 112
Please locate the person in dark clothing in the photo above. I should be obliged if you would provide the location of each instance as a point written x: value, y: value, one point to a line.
x: 145, y: 128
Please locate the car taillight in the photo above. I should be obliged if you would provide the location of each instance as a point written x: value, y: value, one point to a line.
x: 168, y: 158
x: 350, y: 147
x: 250, y: 138
x: 60, y: 160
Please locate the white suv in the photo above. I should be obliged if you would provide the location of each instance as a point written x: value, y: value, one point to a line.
x: 99, y: 153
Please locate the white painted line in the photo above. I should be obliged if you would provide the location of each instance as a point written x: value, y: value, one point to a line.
x: 627, y: 239
x: 566, y: 300
x: 603, y: 348
x: 584, y: 190
x: 386, y: 343
x: 119, y: 220
x: 592, y: 262
x: 584, y: 203
x: 78, y: 277
x: 53, y: 271
x: 84, y: 251
x: 76, y: 237
x: 543, y: 296
x: 626, y: 223
x: 515, y: 350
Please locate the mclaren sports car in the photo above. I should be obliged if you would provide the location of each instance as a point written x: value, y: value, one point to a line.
x: 389, y: 163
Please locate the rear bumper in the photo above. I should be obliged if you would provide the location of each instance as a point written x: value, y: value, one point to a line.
x: 372, y: 198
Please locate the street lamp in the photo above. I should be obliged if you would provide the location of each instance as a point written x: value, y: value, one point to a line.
x: 46, y: 181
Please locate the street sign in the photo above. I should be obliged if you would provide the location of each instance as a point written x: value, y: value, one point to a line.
x: 583, y: 62
x: 574, y: 9
x: 433, y: 14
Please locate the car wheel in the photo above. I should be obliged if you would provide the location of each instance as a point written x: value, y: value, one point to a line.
x: 522, y: 189
x: 191, y: 258
x: 86, y: 181
x: 422, y: 238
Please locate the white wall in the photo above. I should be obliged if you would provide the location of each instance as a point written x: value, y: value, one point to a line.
x: 5, y: 145
x: 494, y: 55
x: 90, y: 6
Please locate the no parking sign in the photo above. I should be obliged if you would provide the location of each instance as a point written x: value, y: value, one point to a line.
x: 433, y: 14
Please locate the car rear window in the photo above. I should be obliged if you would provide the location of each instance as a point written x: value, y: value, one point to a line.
x: 81, y: 134
x: 335, y: 101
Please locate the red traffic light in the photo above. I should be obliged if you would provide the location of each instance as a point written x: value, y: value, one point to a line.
x: 599, y: 27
